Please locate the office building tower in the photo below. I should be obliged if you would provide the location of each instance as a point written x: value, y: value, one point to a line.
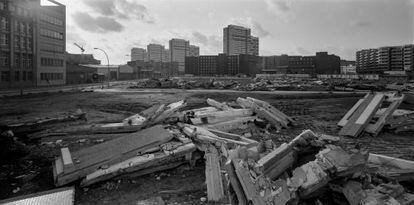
x: 238, y: 40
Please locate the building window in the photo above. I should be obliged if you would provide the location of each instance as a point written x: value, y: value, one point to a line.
x: 51, y: 20
x: 5, y: 76
x: 4, y: 59
x: 16, y: 42
x: 24, y: 76
x: 2, y: 5
x: 30, y: 75
x: 17, y: 59
x: 22, y: 28
x: 29, y: 61
x: 22, y: 43
x: 51, y: 76
x: 17, y: 76
x: 51, y: 34
x: 12, y: 8
x: 51, y: 62
x: 4, y: 23
x: 4, y: 40
x: 29, y: 44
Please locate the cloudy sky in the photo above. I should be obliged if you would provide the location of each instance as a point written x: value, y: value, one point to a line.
x: 294, y: 27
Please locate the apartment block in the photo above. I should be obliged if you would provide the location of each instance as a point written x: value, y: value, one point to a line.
x: 385, y: 59
x: 155, y: 52
x: 32, y: 43
x: 180, y: 49
x: 238, y: 40
x: 51, y: 45
x: 17, y: 44
x: 222, y: 65
x: 321, y: 63
x: 139, y: 54
x: 194, y: 51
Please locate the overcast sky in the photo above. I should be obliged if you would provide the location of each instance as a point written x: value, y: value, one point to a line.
x: 293, y: 27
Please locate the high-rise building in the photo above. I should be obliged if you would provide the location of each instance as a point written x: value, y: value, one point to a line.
x: 166, y: 55
x: 32, y: 43
x: 155, y: 52
x: 238, y: 40
x: 194, y: 51
x: 51, y: 45
x: 139, y: 54
x: 179, y: 49
x: 385, y: 59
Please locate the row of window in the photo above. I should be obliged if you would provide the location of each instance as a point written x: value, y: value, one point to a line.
x: 4, y: 23
x: 4, y: 39
x: 20, y: 60
x: 51, y: 20
x: 24, y: 76
x: 4, y: 59
x: 14, y: 9
x: 23, y: 61
x: 52, y: 48
x: 23, y: 43
x: 51, y: 76
x: 51, y: 62
x: 23, y: 28
x: 51, y: 34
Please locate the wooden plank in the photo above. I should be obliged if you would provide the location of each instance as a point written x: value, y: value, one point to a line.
x: 370, y: 110
x: 361, y: 117
x: 346, y: 117
x: 375, y: 128
x: 215, y: 189
x: 105, y: 154
x: 237, y: 187
x: 219, y: 105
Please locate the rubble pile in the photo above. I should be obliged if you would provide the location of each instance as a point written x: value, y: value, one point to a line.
x: 284, y: 83
x: 242, y: 168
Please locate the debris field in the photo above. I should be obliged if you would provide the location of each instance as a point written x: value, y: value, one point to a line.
x: 247, y: 149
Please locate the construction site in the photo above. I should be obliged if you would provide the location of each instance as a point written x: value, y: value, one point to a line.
x: 154, y: 146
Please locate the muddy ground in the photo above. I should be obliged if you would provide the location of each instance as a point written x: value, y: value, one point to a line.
x: 31, y: 171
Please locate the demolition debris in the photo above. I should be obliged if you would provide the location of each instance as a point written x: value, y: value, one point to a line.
x: 242, y: 168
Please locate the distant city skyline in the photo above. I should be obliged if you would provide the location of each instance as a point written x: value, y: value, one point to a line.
x: 295, y: 27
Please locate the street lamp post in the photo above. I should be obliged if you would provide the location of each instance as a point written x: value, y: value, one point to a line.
x: 107, y: 59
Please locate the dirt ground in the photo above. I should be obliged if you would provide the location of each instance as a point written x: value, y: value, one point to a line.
x: 31, y: 172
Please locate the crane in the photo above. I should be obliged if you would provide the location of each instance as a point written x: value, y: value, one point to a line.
x: 80, y: 47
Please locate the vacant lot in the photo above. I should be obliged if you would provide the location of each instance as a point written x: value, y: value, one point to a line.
x: 31, y: 171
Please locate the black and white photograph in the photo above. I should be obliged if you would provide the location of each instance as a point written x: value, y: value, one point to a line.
x: 207, y: 102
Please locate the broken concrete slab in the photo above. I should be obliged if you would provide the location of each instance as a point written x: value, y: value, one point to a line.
x: 140, y: 163
x: 89, y: 159
x: 214, y: 181
x: 221, y: 106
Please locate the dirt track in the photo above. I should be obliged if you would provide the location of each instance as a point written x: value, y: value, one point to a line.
x: 311, y: 112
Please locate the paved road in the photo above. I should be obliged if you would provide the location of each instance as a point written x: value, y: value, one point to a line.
x: 63, y: 88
